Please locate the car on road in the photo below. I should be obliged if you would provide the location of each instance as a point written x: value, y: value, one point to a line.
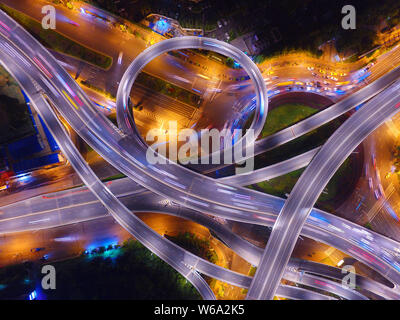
x: 73, y: 23
x: 366, y: 169
x: 4, y: 186
x: 380, y: 188
x: 373, y: 160
x: 44, y: 258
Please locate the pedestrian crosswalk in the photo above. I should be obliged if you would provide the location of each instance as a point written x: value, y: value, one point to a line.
x: 377, y: 207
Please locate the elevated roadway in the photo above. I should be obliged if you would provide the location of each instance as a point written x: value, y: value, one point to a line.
x: 125, y: 152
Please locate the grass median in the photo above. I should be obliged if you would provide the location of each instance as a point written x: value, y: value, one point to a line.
x: 168, y: 89
x: 158, y: 85
x: 336, y: 189
x: 284, y: 116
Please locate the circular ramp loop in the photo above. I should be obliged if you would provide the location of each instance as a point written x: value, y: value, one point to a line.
x: 125, y: 118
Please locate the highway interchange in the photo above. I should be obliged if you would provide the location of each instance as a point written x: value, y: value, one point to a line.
x: 125, y: 150
x: 310, y: 185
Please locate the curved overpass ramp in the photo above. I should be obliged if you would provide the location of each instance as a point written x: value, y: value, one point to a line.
x: 124, y: 152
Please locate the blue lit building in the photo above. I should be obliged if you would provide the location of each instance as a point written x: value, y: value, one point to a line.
x: 35, y: 151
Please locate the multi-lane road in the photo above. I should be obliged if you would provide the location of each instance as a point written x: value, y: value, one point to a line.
x: 77, y: 205
x: 127, y: 152
x: 312, y: 182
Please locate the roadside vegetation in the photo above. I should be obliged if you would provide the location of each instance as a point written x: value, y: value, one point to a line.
x: 396, y: 156
x: 284, y: 116
x: 157, y: 84
x: 201, y: 248
x: 251, y: 273
x: 132, y: 273
x: 114, y: 177
x: 16, y: 281
x: 103, y: 92
x: 58, y: 42
x: 296, y: 24
x: 15, y: 120
x: 168, y: 89
x: 337, y: 187
x: 304, y: 143
x: 195, y: 245
x: 191, y: 13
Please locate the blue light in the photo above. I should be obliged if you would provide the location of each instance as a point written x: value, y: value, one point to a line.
x: 23, y: 177
x: 32, y: 295
x: 386, y: 259
x: 105, y: 244
x: 183, y: 54
x: 211, y: 44
x: 358, y: 107
x: 391, y: 212
x: 363, y: 77
x: 396, y: 266
x: 317, y: 216
x: 162, y: 26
